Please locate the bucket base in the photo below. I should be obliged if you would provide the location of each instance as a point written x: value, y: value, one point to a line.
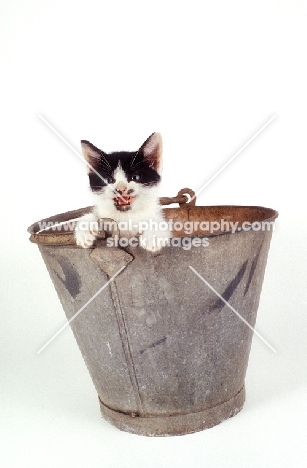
x: 178, y: 424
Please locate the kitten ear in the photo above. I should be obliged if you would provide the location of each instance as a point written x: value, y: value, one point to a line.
x: 152, y: 151
x: 91, y: 154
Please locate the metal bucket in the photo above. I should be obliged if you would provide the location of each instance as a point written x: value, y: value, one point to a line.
x: 165, y: 352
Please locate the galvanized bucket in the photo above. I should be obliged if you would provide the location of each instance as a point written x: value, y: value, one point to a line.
x: 166, y: 352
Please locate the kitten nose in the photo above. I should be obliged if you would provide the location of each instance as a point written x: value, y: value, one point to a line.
x: 121, y: 187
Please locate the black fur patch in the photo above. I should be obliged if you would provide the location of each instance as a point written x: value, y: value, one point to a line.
x: 133, y: 164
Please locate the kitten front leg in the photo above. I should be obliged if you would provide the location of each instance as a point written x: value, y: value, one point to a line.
x: 86, y: 230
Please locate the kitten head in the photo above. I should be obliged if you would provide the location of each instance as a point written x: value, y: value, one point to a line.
x: 125, y: 180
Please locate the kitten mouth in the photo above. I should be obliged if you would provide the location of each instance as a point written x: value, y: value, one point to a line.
x: 123, y: 201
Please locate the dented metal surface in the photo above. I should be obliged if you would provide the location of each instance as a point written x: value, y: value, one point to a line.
x: 166, y: 355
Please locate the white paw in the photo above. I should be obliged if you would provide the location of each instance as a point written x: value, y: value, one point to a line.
x: 86, y: 233
x: 153, y: 241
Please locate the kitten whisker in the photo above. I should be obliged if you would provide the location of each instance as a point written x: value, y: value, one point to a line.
x: 137, y: 164
x: 105, y: 161
x: 133, y: 159
x: 106, y: 167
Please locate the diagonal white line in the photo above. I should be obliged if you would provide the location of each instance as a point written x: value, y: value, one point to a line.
x: 80, y: 310
x: 233, y: 157
x: 230, y: 306
x: 79, y: 155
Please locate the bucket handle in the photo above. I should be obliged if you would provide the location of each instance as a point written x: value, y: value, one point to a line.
x: 181, y: 198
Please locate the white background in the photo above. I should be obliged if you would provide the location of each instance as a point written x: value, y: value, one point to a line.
x: 207, y: 75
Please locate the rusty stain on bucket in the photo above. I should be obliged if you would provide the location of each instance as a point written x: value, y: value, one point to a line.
x: 166, y: 355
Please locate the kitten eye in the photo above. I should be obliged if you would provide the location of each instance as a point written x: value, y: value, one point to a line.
x: 136, y: 178
x: 109, y: 179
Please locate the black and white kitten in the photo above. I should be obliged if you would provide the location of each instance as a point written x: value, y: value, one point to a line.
x: 127, y: 190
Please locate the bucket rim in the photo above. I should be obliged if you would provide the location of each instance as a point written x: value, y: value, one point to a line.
x: 57, y: 237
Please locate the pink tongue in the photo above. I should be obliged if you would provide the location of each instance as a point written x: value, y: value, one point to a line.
x: 123, y: 200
